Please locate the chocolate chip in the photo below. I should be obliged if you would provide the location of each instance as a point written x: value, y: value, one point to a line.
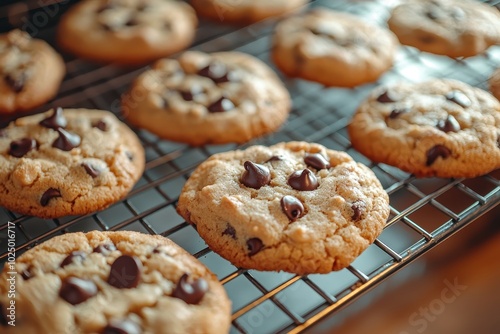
x: 230, y: 231
x: 459, y: 98
x: 104, y: 249
x: 20, y: 147
x: 316, y: 161
x: 254, y: 245
x: 121, y: 326
x: 304, y: 180
x: 450, y: 124
x: 56, y: 120
x: 48, y: 195
x: 66, y: 140
x: 91, y: 169
x: 76, y: 255
x: 255, y: 175
x: 16, y: 83
x: 101, y: 125
x: 292, y: 207
x: 395, y: 113
x: 3, y: 316
x: 386, y: 97
x: 358, y: 208
x: 190, y: 292
x: 436, y: 152
x: 26, y: 274
x: 75, y: 290
x: 218, y: 72
x: 221, y: 105
x: 125, y: 272
x: 191, y: 93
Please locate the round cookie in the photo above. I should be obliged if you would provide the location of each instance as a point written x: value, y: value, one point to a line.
x: 127, y: 32
x: 31, y: 72
x: 333, y: 48
x: 67, y: 162
x: 113, y: 282
x: 454, y: 28
x: 204, y: 98
x: 296, y: 207
x: 441, y: 127
x: 245, y: 11
x: 495, y: 83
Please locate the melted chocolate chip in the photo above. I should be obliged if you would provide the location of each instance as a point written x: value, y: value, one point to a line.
x: 221, y: 105
x: 254, y: 245
x: 358, y: 208
x: 292, y: 207
x: 436, y: 152
x: 26, y: 274
x: 304, y: 180
x: 91, y: 169
x: 191, y: 93
x: 48, y: 195
x: 190, y: 292
x: 218, y: 72
x: 316, y: 161
x: 74, y: 256
x: 104, y: 249
x: 122, y: 326
x: 101, y: 125
x: 386, y: 97
x: 450, y: 124
x: 76, y: 290
x: 56, y: 120
x: 125, y: 272
x: 255, y: 175
x: 66, y: 140
x: 16, y: 83
x: 395, y: 113
x: 459, y: 98
x: 20, y: 147
x: 230, y: 231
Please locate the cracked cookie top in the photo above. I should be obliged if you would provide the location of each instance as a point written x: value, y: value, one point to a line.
x: 114, y: 282
x: 67, y: 162
x: 296, y: 207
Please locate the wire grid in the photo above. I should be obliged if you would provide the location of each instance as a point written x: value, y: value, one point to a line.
x: 424, y: 212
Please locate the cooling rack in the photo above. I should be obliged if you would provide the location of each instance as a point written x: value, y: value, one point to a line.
x: 424, y: 212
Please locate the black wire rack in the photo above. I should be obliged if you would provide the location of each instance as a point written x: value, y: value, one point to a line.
x: 424, y: 212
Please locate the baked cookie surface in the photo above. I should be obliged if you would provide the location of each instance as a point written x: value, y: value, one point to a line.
x: 208, y: 98
x: 245, y: 11
x: 333, y: 48
x: 31, y: 72
x: 114, y: 282
x: 454, y: 28
x: 127, y: 31
x: 67, y: 162
x: 495, y: 84
x: 441, y: 127
x: 296, y: 207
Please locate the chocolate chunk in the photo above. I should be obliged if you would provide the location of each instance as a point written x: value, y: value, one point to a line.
x: 74, y: 256
x: 48, y: 195
x: 292, y: 207
x: 437, y: 151
x: 125, y: 272
x: 459, y: 98
x: 20, y: 147
x: 221, y: 105
x: 101, y: 125
x: 255, y: 175
x: 191, y: 93
x: 358, y: 208
x: 75, y: 290
x: 3, y: 316
x: 450, y: 124
x: 316, y: 161
x: 16, y: 83
x: 304, y: 180
x: 66, y: 140
x: 122, y: 326
x: 218, y: 72
x: 104, y: 249
x: 386, y: 97
x: 26, y: 274
x: 91, y: 169
x: 190, y: 292
x: 398, y: 111
x: 254, y: 245
x: 56, y: 120
x: 230, y: 231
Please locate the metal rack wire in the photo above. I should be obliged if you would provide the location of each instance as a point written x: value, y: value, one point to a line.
x: 424, y: 212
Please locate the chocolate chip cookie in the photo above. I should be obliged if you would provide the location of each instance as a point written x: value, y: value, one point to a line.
x: 495, y: 83
x: 127, y: 31
x: 204, y: 98
x: 31, y: 72
x: 113, y: 282
x: 332, y: 48
x: 67, y: 162
x: 441, y: 127
x: 454, y: 28
x: 245, y: 11
x: 296, y: 207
